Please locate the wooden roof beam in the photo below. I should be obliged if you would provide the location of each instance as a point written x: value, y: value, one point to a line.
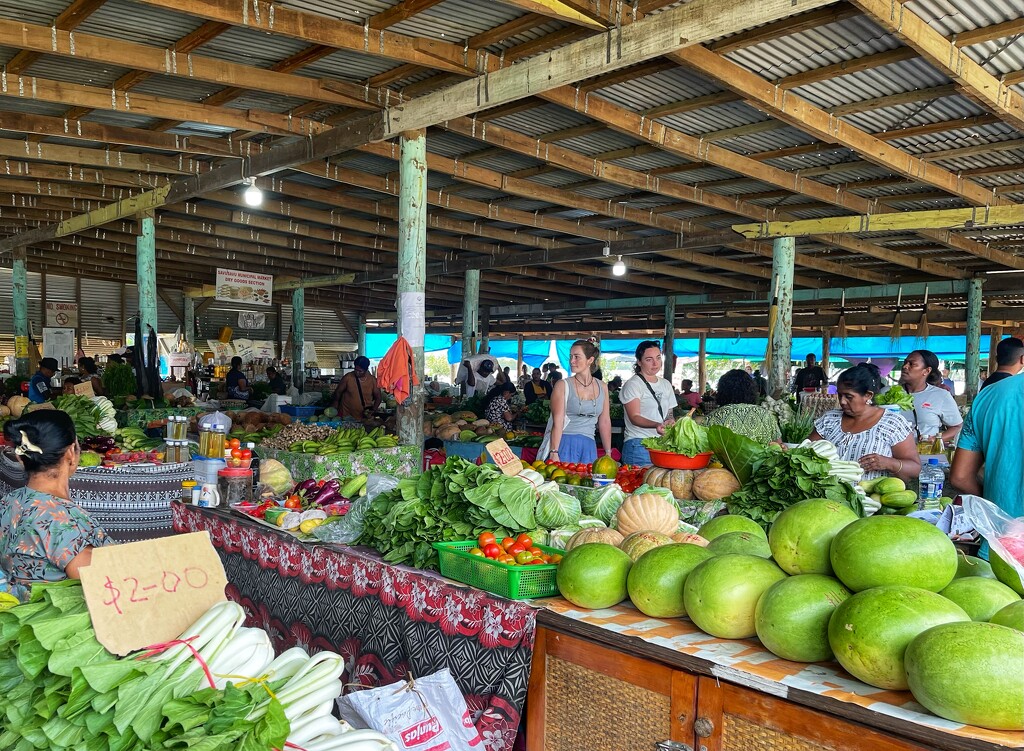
x: 563, y: 11
x: 399, y: 12
x: 70, y: 18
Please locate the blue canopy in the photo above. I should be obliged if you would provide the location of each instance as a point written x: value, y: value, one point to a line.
x: 534, y: 353
x: 377, y: 345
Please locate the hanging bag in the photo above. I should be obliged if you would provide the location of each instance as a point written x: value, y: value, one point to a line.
x: 545, y: 445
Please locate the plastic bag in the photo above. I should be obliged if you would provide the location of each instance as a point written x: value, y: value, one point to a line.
x: 1004, y: 534
x: 377, y: 484
x: 348, y: 528
x: 421, y: 713
x: 215, y: 418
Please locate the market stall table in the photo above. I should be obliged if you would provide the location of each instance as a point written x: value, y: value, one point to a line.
x: 387, y: 621
x: 400, y: 461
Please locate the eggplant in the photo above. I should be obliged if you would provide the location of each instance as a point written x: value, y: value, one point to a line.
x: 305, y: 486
x: 333, y: 483
x: 326, y: 494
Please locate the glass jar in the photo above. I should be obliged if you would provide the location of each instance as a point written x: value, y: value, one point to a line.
x: 188, y: 489
x: 215, y: 442
x: 234, y: 485
x: 178, y: 425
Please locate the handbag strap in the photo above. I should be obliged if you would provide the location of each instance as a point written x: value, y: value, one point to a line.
x: 657, y: 401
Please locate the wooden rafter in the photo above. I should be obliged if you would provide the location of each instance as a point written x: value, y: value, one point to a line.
x: 70, y: 18
x: 561, y: 11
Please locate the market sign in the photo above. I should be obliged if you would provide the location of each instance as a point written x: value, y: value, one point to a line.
x: 62, y: 314
x: 504, y: 457
x: 147, y: 593
x: 244, y: 286
x: 248, y: 319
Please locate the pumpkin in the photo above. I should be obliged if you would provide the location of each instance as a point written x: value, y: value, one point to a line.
x: 647, y: 512
x: 689, y: 537
x: 679, y: 481
x: 715, y: 484
x: 5, y: 411
x: 639, y: 543
x: 594, y: 534
x: 17, y: 405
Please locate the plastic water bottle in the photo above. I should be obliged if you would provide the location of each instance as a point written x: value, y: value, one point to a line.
x: 931, y: 481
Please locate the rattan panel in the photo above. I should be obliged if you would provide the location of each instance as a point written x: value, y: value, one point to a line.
x: 589, y: 710
x: 740, y: 735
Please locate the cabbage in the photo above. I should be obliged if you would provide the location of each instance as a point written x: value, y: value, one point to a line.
x: 604, y: 503
x: 555, y: 509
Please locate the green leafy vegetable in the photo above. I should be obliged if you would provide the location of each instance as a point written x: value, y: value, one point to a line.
x: 736, y: 452
x: 895, y: 395
x: 118, y: 380
x: 603, y: 503
x: 556, y: 509
x: 798, y: 428
x: 684, y: 437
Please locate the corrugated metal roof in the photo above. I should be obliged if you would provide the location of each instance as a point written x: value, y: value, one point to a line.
x: 675, y: 85
x: 33, y: 11
x: 31, y: 107
x: 527, y: 36
x: 141, y: 24
x: 540, y: 120
x: 251, y: 47
x: 353, y: 11
x: 75, y: 71
x: 457, y: 20
x: 711, y: 119
x: 348, y: 65
x: 173, y: 87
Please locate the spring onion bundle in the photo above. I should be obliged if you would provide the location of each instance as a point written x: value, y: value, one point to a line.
x: 216, y: 687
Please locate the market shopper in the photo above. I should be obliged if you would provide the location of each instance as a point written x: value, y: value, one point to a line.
x: 739, y: 411
x: 1009, y: 360
x: 476, y: 375
x: 44, y: 535
x: 648, y: 401
x: 688, y: 396
x: 499, y: 405
x: 357, y: 395
x: 811, y: 376
x: 87, y: 369
x: 993, y: 437
x: 579, y: 408
x: 882, y: 441
x: 536, y: 388
x: 935, y: 412
x: 39, y: 386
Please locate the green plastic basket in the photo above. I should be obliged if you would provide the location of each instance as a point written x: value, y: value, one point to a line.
x: 511, y: 582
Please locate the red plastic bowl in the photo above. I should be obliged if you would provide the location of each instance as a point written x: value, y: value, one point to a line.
x: 669, y: 460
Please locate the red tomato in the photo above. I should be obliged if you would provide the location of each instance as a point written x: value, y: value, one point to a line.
x: 491, y: 550
x: 507, y: 542
x: 515, y: 549
x: 246, y: 454
x: 525, y: 540
x: 236, y: 453
x: 537, y: 552
x: 534, y: 562
x: 485, y: 539
x: 234, y: 443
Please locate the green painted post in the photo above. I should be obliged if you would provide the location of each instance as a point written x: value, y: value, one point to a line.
x: 145, y: 273
x: 973, y: 358
x: 20, y: 299
x: 190, y: 323
x: 361, y: 335
x: 412, y: 274
x: 670, y: 337
x: 470, y: 312
x: 783, y: 259
x: 298, y: 337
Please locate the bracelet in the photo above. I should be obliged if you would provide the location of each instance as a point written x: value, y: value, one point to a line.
x: 900, y: 469
x: 553, y: 451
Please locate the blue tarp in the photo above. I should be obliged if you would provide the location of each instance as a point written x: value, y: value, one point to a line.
x: 377, y: 345
x: 534, y: 353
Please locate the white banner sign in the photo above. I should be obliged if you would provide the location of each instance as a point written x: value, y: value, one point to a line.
x: 248, y: 319
x: 62, y: 314
x: 309, y: 353
x: 221, y: 351
x: 244, y: 286
x: 60, y: 345
x: 244, y: 349
x: 264, y: 349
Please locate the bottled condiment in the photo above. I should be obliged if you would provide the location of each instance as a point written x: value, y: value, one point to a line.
x: 179, y: 427
x: 215, y: 442
x: 254, y: 463
x: 234, y: 485
x: 188, y: 489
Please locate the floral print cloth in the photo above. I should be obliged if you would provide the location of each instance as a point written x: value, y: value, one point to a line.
x: 40, y: 535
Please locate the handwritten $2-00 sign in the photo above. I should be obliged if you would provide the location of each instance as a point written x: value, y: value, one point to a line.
x: 147, y: 593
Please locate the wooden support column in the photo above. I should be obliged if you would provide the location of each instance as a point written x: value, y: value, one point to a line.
x: 298, y: 337
x: 702, y: 362
x: 485, y: 330
x: 670, y: 337
x: 470, y: 312
x: 20, y: 299
x: 145, y: 274
x: 973, y: 359
x: 78, y: 303
x: 189, y: 322
x: 783, y: 258
x: 361, y: 334
x: 995, y: 334
x: 826, y: 348
x: 519, y: 358
x: 412, y: 274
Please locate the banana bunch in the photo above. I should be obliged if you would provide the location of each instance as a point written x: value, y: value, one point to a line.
x: 346, y: 441
x: 135, y: 439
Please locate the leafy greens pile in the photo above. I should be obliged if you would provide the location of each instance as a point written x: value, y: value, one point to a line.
x: 60, y: 689
x: 92, y: 416
x: 684, y: 437
x: 454, y: 501
x: 772, y: 479
x: 895, y: 395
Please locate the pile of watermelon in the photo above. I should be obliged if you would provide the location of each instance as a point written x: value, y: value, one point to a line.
x: 888, y: 597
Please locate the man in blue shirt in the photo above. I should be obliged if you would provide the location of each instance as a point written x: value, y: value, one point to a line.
x: 993, y: 436
x: 39, y: 386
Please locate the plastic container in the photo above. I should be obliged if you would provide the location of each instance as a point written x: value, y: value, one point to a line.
x: 291, y: 409
x: 188, y: 489
x: 931, y: 480
x: 234, y: 485
x: 512, y: 582
x: 669, y: 460
x: 206, y: 470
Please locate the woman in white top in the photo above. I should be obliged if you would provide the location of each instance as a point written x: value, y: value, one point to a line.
x: 647, y: 400
x: 935, y: 410
x: 881, y: 441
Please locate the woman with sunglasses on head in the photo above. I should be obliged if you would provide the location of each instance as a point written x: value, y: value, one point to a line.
x: 647, y: 401
x: 579, y: 405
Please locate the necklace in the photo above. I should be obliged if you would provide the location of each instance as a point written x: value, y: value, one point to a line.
x: 581, y: 383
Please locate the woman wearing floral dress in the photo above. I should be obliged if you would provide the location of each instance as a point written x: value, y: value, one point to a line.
x: 499, y: 405
x: 44, y: 536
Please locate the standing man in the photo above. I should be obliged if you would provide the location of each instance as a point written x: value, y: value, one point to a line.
x: 358, y: 394
x: 810, y: 377
x: 947, y: 382
x: 1009, y: 360
x: 39, y: 387
x: 536, y: 388
x: 476, y: 375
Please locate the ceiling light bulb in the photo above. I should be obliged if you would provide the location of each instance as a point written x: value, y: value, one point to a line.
x: 253, y: 195
x: 619, y: 268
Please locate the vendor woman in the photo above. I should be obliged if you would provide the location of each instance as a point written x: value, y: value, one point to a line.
x: 579, y: 405
x: 648, y: 402
x: 238, y: 386
x: 44, y: 535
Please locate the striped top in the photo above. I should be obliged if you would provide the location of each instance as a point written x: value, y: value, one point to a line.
x: 879, y: 439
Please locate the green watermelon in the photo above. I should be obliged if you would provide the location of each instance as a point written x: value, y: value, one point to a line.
x: 980, y: 598
x: 594, y: 575
x: 721, y: 594
x: 870, y: 631
x: 744, y: 543
x: 655, y: 583
x: 970, y: 673
x: 801, y: 536
x: 968, y: 565
x: 721, y: 525
x: 792, y: 616
x: 1005, y: 573
x: 1012, y: 616
x: 893, y: 550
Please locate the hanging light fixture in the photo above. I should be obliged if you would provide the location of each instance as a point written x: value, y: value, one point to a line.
x: 253, y: 195
x: 619, y: 267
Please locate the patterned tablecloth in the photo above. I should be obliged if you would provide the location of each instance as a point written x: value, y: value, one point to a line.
x: 400, y: 461
x: 139, y: 418
x: 386, y: 621
x: 747, y: 663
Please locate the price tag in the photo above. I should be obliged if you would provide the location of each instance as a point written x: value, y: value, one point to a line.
x: 147, y: 593
x: 504, y: 457
x: 84, y: 389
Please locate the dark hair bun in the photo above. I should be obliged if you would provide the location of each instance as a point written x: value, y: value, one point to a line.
x: 863, y: 378
x: 50, y: 431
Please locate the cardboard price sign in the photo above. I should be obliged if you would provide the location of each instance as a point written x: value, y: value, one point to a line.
x: 504, y: 457
x: 147, y: 593
x: 84, y: 389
